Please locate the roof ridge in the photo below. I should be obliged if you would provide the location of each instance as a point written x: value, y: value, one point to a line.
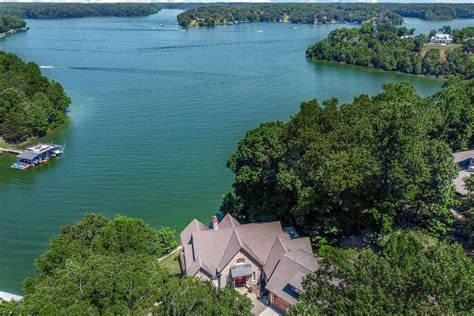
x: 248, y: 249
x: 298, y: 263
x: 227, y: 245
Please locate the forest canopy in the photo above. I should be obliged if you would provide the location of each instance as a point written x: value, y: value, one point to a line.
x: 391, y: 48
x: 11, y: 23
x: 321, y: 13
x: 109, y: 267
x: 30, y: 104
x: 76, y: 10
x: 338, y: 169
x: 412, y: 273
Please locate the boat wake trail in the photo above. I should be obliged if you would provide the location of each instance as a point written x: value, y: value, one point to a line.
x: 51, y: 67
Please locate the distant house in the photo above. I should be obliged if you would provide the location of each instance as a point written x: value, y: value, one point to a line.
x: 441, y: 38
x: 257, y: 256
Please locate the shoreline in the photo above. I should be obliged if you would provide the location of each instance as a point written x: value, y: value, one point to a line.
x: 442, y: 78
x: 51, y: 133
x: 13, y: 31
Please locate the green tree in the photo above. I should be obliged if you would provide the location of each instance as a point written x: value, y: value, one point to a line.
x: 412, y: 274
x: 456, y: 103
x: 102, y: 284
x: 338, y: 169
x: 100, y: 266
x: 191, y: 296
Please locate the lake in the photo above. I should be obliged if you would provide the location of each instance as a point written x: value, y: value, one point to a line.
x: 156, y: 111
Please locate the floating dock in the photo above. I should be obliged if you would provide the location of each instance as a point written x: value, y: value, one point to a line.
x: 36, y: 155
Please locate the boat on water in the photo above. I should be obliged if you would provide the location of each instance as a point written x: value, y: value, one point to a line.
x: 36, y: 155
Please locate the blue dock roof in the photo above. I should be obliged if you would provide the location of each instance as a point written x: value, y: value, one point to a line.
x: 27, y: 155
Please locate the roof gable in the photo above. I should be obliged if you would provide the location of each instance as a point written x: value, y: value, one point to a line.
x: 194, y: 226
x: 228, y: 222
x: 276, y: 252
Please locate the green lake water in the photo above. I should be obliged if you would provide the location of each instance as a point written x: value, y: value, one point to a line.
x: 156, y: 111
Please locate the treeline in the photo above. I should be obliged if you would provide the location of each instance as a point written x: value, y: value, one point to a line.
x: 110, y: 267
x: 77, y: 10
x: 311, y: 13
x: 411, y: 273
x: 391, y: 48
x: 368, y: 166
x: 287, y: 12
x: 433, y: 11
x: 30, y: 104
x: 11, y: 23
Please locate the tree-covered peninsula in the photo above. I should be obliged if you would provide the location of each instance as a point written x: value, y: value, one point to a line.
x: 372, y: 165
x: 30, y: 104
x: 320, y: 13
x: 287, y: 12
x: 391, y: 48
x: 77, y: 10
x: 10, y: 24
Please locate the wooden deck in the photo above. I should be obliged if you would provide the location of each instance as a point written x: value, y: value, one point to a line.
x: 11, y: 150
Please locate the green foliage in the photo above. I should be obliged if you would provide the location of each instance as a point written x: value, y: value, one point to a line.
x: 77, y: 10
x: 30, y: 104
x: 293, y: 12
x: 432, y: 11
x: 11, y: 23
x: 102, y: 284
x: 467, y: 204
x: 313, y: 13
x: 338, y: 169
x: 456, y: 102
x: 167, y: 239
x: 413, y: 274
x: 10, y: 308
x: 100, y: 266
x: 191, y: 296
x: 391, y: 48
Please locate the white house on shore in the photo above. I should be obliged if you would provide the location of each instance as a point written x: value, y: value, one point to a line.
x: 441, y: 38
x: 258, y: 256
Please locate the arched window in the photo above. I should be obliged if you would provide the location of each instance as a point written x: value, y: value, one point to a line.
x: 241, y: 260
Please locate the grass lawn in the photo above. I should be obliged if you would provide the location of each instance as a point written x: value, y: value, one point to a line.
x: 443, y: 49
x: 172, y: 263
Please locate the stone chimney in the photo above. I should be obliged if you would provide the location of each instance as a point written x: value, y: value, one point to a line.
x: 215, y: 224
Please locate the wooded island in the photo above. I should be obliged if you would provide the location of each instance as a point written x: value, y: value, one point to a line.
x: 320, y: 13
x: 392, y: 48
x: 30, y: 103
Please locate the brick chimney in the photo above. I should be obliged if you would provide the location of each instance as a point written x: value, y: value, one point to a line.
x: 215, y: 224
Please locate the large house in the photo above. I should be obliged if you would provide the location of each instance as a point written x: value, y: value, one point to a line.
x: 257, y: 256
x: 441, y: 38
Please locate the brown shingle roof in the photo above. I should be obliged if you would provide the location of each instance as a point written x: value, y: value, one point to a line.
x: 266, y: 244
x: 289, y: 273
x: 228, y: 221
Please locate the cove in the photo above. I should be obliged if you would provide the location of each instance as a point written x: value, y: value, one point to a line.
x: 156, y: 111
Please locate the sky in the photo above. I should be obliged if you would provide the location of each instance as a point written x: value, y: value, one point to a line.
x: 259, y: 1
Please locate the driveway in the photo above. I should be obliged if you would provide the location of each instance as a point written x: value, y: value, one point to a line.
x: 259, y: 305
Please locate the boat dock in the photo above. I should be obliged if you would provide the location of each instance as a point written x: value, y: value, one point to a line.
x: 36, y: 155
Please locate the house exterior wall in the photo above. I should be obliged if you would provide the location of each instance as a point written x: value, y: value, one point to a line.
x: 225, y: 278
x: 202, y: 276
x: 279, y: 303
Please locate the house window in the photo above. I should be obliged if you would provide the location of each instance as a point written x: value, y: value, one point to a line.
x: 253, y: 276
x: 241, y: 260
